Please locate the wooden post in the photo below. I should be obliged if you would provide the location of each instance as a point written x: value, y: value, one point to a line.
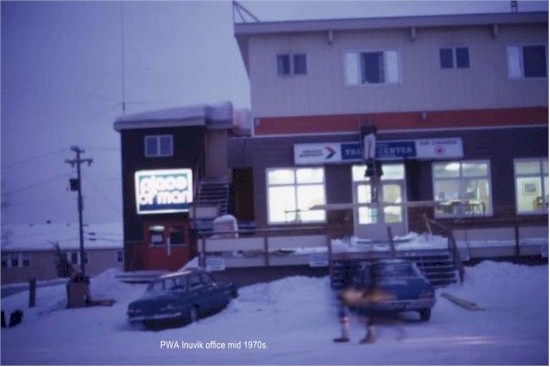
x: 392, y: 244
x: 516, y: 235
x: 266, y: 250
x: 32, y: 292
x: 202, y: 259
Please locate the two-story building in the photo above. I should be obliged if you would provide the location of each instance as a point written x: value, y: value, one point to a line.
x: 460, y: 103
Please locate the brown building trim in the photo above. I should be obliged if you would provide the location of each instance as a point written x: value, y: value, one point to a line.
x: 414, y: 120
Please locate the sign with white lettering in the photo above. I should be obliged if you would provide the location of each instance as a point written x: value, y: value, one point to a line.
x: 321, y: 153
x: 164, y: 191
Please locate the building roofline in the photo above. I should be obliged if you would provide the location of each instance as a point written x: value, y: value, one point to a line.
x: 422, y: 21
x: 244, y: 30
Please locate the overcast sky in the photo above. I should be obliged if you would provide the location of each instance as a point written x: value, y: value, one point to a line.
x: 62, y: 83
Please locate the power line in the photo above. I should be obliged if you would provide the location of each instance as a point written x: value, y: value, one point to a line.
x: 94, y: 186
x: 18, y: 164
x: 55, y: 178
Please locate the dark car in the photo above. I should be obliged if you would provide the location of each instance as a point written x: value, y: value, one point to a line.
x: 390, y: 286
x: 181, y: 297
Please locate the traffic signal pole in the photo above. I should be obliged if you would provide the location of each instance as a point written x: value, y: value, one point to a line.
x: 78, y: 186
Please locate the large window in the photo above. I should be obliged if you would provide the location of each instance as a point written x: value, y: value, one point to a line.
x: 531, y: 185
x: 159, y: 146
x: 291, y: 64
x: 527, y: 62
x: 291, y: 192
x: 464, y: 188
x: 372, y: 67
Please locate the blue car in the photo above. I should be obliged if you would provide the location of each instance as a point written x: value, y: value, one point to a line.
x: 390, y: 286
x: 182, y: 297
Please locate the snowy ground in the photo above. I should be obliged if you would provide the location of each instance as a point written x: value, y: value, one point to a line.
x: 291, y: 322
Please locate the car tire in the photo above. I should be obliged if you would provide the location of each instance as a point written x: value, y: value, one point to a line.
x: 425, y: 314
x: 193, y: 314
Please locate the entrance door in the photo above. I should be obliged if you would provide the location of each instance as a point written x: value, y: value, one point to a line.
x: 370, y: 221
x: 167, y: 245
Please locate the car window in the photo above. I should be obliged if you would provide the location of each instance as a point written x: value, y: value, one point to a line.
x: 180, y: 283
x: 194, y: 282
x: 394, y: 270
x: 155, y: 287
x: 208, y: 278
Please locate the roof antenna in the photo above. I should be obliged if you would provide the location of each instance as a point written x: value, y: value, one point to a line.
x: 240, y: 10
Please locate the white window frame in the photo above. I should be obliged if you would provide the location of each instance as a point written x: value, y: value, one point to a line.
x: 292, y: 67
x: 294, y: 216
x: 514, y: 61
x: 353, y: 67
x: 158, y: 152
x: 486, y: 210
x: 541, y: 176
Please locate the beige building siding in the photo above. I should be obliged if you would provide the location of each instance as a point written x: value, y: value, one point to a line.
x: 42, y: 265
x: 423, y: 84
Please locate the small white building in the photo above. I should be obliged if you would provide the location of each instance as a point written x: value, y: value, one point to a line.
x: 29, y: 250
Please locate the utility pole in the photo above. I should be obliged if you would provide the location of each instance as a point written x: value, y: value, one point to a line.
x: 76, y: 185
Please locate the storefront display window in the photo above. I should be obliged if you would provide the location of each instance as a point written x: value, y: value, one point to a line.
x: 292, y: 192
x: 531, y: 178
x: 464, y: 188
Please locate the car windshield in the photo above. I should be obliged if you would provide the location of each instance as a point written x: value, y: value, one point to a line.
x: 394, y: 270
x: 155, y: 287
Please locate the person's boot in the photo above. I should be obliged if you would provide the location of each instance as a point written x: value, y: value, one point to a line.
x: 344, y: 321
x: 369, y: 338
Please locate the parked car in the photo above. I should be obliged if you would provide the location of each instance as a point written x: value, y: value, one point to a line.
x: 390, y: 286
x: 183, y: 297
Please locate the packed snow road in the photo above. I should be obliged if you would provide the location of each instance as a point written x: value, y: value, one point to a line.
x: 292, y: 322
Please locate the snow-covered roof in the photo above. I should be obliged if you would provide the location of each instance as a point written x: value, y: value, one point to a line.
x: 213, y: 116
x: 43, y: 237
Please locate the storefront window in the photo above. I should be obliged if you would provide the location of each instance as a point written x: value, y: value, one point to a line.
x: 177, y: 236
x: 464, y: 188
x: 531, y: 185
x: 292, y: 192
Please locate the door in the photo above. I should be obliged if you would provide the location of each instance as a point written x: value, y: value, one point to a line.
x: 371, y: 221
x: 167, y: 245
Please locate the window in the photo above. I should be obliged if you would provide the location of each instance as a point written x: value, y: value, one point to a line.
x: 158, y: 146
x: 120, y: 256
x: 74, y: 257
x: 464, y: 188
x: 372, y: 67
x: 156, y: 236
x: 531, y: 178
x: 292, y: 64
x: 177, y: 235
x: 16, y: 260
x: 454, y: 57
x: 527, y: 62
x: 291, y: 192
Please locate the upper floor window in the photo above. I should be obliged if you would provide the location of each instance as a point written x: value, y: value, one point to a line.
x: 527, y: 62
x: 291, y: 192
x: 531, y: 185
x: 372, y: 67
x: 292, y: 64
x: 464, y: 188
x: 159, y: 146
x: 454, y: 57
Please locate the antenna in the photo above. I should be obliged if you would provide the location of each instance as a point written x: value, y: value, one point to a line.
x: 240, y: 10
x: 122, y: 57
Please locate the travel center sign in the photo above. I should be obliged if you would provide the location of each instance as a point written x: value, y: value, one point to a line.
x: 444, y: 148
